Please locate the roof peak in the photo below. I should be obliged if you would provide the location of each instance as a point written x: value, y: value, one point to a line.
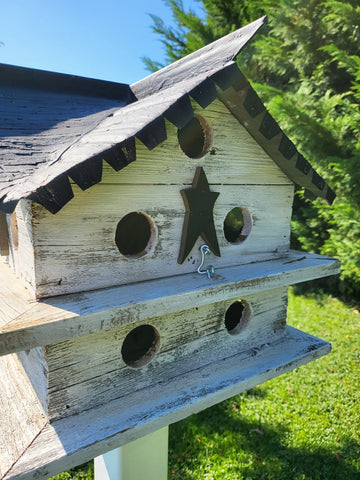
x: 84, y: 132
x: 214, y: 57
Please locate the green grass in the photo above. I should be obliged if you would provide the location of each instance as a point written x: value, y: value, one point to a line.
x: 302, y: 425
x: 83, y: 472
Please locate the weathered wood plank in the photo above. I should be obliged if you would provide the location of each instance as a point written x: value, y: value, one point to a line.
x: 75, y: 315
x: 210, y: 58
x: 14, y: 297
x: 21, y: 256
x: 175, y: 329
x: 235, y: 157
x: 35, y: 365
x: 263, y: 127
x: 22, y: 417
x: 76, y: 250
x: 4, y: 235
x: 37, y: 126
x: 79, y: 380
x: 73, y: 440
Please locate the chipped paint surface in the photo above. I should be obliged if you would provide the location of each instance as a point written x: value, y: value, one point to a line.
x: 76, y: 439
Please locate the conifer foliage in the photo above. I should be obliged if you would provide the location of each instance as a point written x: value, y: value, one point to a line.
x: 306, y: 67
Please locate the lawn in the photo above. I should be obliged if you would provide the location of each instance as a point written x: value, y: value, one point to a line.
x: 302, y: 425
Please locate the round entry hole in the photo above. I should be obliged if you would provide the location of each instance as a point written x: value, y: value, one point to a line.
x: 237, y: 225
x: 237, y: 316
x: 140, y: 346
x: 135, y: 235
x: 196, y: 137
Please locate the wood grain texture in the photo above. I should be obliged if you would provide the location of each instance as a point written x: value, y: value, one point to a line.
x: 90, y: 371
x: 22, y: 255
x: 263, y: 127
x: 71, y: 316
x: 234, y: 158
x: 76, y: 251
x: 14, y: 297
x: 55, y: 129
x: 35, y: 365
x: 22, y: 418
x: 235, y: 151
x: 4, y: 235
x: 211, y: 57
x: 74, y: 440
x: 36, y: 127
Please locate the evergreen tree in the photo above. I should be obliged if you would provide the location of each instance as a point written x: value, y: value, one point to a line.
x: 311, y: 86
x: 307, y: 70
x: 193, y: 32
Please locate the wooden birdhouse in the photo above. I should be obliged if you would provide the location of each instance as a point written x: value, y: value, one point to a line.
x: 145, y: 237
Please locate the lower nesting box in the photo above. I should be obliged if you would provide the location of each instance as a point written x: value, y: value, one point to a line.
x: 131, y: 359
x: 76, y: 375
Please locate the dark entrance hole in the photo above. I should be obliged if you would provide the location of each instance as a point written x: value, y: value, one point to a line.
x: 135, y: 235
x: 195, y: 138
x: 237, y: 316
x: 140, y: 346
x: 237, y: 225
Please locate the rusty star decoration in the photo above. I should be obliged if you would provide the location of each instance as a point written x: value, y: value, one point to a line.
x: 199, y: 218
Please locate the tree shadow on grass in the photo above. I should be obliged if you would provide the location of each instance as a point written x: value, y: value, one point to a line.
x: 263, y: 453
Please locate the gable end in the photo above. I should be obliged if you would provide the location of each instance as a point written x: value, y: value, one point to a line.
x: 105, y: 128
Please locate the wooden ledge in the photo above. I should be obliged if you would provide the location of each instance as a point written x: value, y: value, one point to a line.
x: 64, y: 317
x: 79, y: 438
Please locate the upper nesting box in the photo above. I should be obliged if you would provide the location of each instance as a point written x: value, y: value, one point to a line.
x: 211, y: 165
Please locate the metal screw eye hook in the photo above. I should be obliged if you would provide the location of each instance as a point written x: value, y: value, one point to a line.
x: 210, y: 270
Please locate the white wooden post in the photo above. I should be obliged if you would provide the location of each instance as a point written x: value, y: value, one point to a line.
x: 146, y: 457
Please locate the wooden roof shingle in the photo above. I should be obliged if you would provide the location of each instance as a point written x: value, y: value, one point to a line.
x: 55, y: 127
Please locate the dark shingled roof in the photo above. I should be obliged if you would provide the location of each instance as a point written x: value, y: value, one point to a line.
x: 55, y: 127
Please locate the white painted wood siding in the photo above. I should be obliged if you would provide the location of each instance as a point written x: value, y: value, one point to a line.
x: 90, y: 371
x: 75, y: 249
x: 35, y: 365
x: 22, y: 417
x: 73, y: 440
x: 21, y: 251
x: 235, y: 158
x: 29, y: 324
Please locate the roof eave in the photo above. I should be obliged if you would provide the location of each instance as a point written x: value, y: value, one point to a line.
x: 203, y: 76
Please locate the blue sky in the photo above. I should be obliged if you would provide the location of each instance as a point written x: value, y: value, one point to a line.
x: 100, y: 39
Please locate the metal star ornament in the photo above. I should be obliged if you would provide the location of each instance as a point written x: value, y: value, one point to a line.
x: 199, y: 217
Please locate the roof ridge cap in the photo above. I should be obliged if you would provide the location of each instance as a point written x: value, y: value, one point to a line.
x: 224, y: 49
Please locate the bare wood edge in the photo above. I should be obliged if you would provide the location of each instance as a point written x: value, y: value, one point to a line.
x: 20, y: 412
x: 15, y: 299
x: 68, y: 316
x: 74, y: 440
x: 4, y: 235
